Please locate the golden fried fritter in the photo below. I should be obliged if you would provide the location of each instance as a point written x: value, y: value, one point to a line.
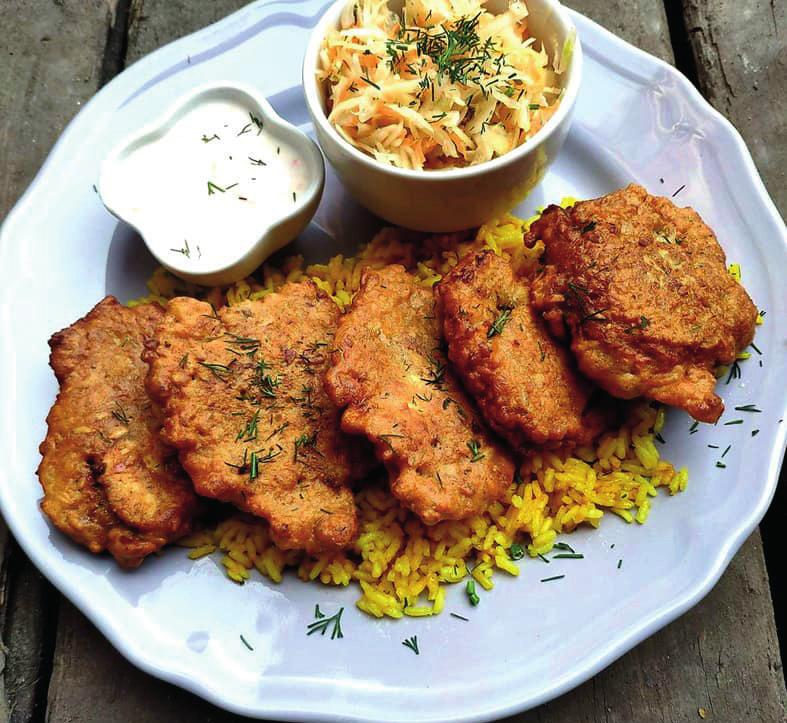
x: 644, y: 291
x: 109, y: 480
x: 391, y: 374
x: 243, y: 392
x: 525, y: 383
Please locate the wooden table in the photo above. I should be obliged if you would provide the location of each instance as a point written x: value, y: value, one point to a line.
x: 722, y: 657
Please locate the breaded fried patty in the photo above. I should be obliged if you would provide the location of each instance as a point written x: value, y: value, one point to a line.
x: 245, y: 406
x: 525, y: 383
x: 391, y: 374
x: 643, y: 289
x: 109, y: 480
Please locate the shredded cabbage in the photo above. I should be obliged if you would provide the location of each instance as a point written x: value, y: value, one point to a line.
x: 445, y: 85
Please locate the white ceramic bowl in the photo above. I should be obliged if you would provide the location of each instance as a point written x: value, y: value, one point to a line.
x: 451, y: 199
x: 254, y: 244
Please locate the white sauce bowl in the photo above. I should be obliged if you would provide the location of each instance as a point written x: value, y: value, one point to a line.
x: 215, y: 185
x: 449, y: 199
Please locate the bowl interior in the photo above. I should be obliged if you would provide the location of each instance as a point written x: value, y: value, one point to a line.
x: 547, y: 22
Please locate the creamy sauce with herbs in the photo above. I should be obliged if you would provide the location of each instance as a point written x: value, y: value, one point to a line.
x: 204, y: 192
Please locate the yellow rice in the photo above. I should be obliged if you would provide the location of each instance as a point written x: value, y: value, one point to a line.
x: 402, y: 566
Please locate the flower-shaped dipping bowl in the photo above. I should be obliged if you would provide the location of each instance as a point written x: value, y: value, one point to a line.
x: 216, y: 185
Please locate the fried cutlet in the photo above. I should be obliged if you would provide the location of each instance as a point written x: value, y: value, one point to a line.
x: 109, y: 480
x: 643, y: 290
x: 391, y: 374
x: 525, y: 383
x: 243, y: 392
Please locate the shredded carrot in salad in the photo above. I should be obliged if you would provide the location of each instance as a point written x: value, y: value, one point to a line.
x: 447, y: 84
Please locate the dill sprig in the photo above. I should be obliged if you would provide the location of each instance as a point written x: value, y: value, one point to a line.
x: 265, y: 382
x: 212, y: 188
x: 248, y: 432
x: 475, y: 450
x: 220, y: 371
x: 412, y: 643
x: 323, y: 622
x: 499, y: 323
x: 120, y: 414
x: 436, y: 372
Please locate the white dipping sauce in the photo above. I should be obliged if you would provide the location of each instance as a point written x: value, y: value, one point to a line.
x: 205, y: 191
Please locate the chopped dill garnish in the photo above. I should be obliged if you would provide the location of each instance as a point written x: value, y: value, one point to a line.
x: 212, y: 188
x: 245, y: 344
x: 120, y: 414
x: 436, y: 374
x: 542, y: 558
x: 516, y: 551
x: 595, y: 316
x: 659, y: 438
x: 713, y: 446
x: 323, y: 623
x: 563, y: 546
x: 183, y: 361
x: 265, y: 382
x: 246, y: 643
x: 248, y: 432
x: 245, y: 129
x: 305, y: 441
x: 748, y: 408
x: 620, y: 563
x: 642, y: 324
x: 679, y: 190
x: 733, y: 421
x: 554, y: 577
x: 276, y: 431
x: 232, y: 185
x: 294, y: 197
x: 368, y: 80
x: 459, y: 617
x: 475, y: 450
x: 257, y: 161
x: 206, y: 139
x: 755, y: 432
x: 721, y: 465
x: 693, y: 427
x: 253, y: 467
x: 724, y: 453
x: 735, y: 372
x: 411, y: 643
x: 588, y: 227
x: 256, y: 121
x: 499, y: 324
x: 220, y: 371
x: 533, y: 106
x: 754, y: 346
x: 318, y: 613
x: 569, y: 556
x: 186, y: 251
x: 471, y: 593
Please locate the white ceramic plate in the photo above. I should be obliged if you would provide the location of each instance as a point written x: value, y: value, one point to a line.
x: 60, y: 252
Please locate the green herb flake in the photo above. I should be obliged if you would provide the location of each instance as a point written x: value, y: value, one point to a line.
x: 516, y: 551
x: 246, y: 643
x: 475, y: 450
x: 554, y: 577
x: 748, y: 408
x: 322, y: 624
x: 459, y: 617
x: 733, y: 421
x: 412, y: 643
x: 212, y: 188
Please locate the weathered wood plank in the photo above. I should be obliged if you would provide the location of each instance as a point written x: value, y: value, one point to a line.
x: 51, y: 53
x: 642, y: 22
x: 741, y: 55
x: 157, y: 22
x: 722, y: 656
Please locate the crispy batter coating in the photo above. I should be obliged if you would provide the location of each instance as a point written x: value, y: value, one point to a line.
x: 644, y: 291
x: 391, y: 374
x: 109, y: 480
x: 243, y: 392
x: 525, y: 383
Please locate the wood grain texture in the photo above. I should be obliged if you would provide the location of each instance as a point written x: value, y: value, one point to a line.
x: 157, y: 22
x: 642, y: 22
x: 51, y: 58
x: 722, y: 656
x: 741, y: 55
